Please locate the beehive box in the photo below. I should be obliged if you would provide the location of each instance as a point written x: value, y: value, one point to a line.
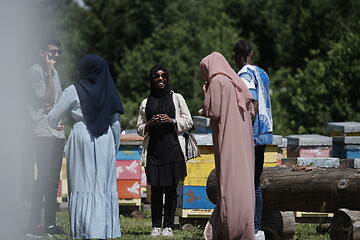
x: 271, y: 152
x: 193, y: 197
x: 313, y: 162
x: 346, y: 147
x: 282, y: 150
x: 198, y: 172
x: 194, y: 213
x: 128, y: 152
x: 128, y: 188
x: 201, y: 124
x: 344, y: 128
x: 357, y: 163
x: 128, y: 169
x: 308, y: 145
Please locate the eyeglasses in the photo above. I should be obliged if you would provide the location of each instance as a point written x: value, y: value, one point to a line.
x: 54, y: 51
x: 163, y: 75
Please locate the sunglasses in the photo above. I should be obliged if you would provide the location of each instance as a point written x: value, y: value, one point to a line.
x: 163, y: 75
x: 54, y: 51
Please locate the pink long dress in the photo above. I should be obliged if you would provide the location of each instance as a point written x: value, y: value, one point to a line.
x: 228, y: 104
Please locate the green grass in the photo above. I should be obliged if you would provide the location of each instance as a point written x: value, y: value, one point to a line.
x: 308, y: 232
x: 139, y: 229
x: 132, y: 228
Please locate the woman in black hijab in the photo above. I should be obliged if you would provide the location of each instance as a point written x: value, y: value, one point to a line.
x: 90, y: 150
x: 163, y: 117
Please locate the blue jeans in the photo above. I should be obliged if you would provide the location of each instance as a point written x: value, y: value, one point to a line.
x: 259, y: 164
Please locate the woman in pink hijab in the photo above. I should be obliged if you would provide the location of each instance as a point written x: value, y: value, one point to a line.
x: 228, y: 105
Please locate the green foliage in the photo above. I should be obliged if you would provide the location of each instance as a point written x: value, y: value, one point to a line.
x: 326, y: 88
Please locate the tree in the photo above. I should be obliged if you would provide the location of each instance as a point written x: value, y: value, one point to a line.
x: 326, y: 89
x: 199, y: 29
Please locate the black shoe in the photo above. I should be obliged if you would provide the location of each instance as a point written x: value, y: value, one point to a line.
x: 37, y: 232
x: 54, y: 230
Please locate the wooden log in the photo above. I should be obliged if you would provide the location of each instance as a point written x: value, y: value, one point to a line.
x: 310, y: 189
x: 305, y: 189
x: 278, y: 225
x: 345, y: 225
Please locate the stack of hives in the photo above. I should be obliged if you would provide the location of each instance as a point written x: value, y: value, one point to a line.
x: 346, y: 142
x: 128, y: 170
x: 193, y: 201
x: 307, y: 151
x: 310, y: 150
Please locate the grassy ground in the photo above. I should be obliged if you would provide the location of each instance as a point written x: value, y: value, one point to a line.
x: 139, y: 229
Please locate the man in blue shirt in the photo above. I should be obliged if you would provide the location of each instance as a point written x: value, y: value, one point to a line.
x: 258, y: 83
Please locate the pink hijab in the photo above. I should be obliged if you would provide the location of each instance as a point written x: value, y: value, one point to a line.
x: 216, y: 64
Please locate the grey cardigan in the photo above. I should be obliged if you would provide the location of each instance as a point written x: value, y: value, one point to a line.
x: 183, y: 118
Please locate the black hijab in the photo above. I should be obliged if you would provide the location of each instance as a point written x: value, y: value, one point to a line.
x: 160, y: 100
x: 98, y: 96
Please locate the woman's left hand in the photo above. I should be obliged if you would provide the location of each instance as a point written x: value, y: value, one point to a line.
x: 164, y: 118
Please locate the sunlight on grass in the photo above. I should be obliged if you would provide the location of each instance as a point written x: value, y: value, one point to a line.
x: 139, y: 229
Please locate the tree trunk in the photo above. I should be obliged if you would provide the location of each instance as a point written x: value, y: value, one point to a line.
x: 305, y: 189
x: 345, y: 225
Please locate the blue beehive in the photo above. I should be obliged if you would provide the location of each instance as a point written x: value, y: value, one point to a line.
x: 346, y: 147
x: 193, y: 197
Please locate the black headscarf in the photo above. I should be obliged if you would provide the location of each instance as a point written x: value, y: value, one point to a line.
x: 98, y: 96
x: 160, y: 100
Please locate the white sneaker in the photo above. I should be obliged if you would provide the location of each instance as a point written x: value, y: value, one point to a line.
x: 156, y: 231
x: 167, y: 232
x: 259, y: 235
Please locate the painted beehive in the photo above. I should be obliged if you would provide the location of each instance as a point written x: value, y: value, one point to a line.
x: 198, y: 169
x: 282, y: 150
x: 198, y: 172
x: 311, y: 161
x: 346, y: 147
x: 271, y: 152
x: 128, y: 168
x: 192, y: 192
x: 128, y: 188
x: 344, y: 128
x: 201, y: 124
x: 128, y: 152
x: 308, y: 145
x: 193, y: 197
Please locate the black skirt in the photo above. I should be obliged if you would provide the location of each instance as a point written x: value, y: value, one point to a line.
x: 168, y: 174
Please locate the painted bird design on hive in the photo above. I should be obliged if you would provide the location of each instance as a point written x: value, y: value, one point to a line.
x: 119, y: 170
x: 134, y: 188
x: 132, y: 167
x: 191, y: 196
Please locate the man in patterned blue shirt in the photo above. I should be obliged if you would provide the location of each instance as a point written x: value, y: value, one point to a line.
x: 258, y: 83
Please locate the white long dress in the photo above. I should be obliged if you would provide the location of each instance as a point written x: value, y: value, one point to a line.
x: 91, y: 173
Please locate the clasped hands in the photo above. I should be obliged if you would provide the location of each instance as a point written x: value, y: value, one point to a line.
x: 160, y: 119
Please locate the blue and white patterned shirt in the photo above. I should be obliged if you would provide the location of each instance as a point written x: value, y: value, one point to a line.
x: 258, y: 83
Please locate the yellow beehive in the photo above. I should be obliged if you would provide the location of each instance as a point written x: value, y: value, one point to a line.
x: 206, y: 149
x: 204, y: 158
x: 271, y: 152
x: 198, y: 172
x: 270, y: 164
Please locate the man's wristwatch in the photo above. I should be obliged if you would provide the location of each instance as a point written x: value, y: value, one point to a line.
x: 174, y: 121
